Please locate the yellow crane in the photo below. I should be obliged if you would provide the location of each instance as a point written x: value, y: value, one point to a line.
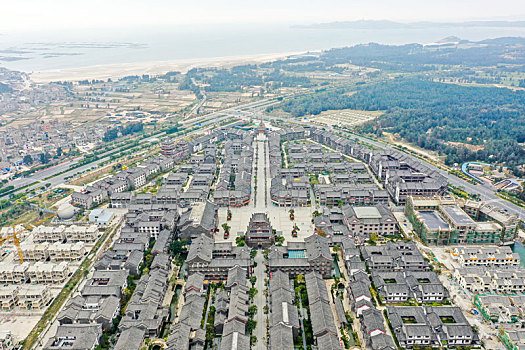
x: 16, y: 241
x: 15, y: 235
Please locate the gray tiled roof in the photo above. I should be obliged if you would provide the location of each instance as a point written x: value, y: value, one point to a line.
x: 130, y: 339
x: 329, y: 341
x: 76, y: 336
x: 235, y: 341
x: 281, y: 337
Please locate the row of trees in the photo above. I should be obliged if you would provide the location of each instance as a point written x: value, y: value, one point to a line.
x: 128, y: 129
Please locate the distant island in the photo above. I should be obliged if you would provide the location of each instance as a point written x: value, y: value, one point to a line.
x: 384, y: 24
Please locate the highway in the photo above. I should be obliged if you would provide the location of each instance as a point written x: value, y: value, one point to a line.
x: 55, y: 180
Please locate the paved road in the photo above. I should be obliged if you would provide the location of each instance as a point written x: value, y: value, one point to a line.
x: 260, y: 301
x: 302, y: 316
x: 260, y: 206
x: 60, y: 179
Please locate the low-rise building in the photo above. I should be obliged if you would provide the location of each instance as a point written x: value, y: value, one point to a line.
x: 200, y: 219
x: 497, y: 257
x: 90, y: 310
x: 48, y: 273
x: 362, y: 221
x: 402, y: 287
x: 428, y: 326
x: 214, y: 260
x: 75, y: 337
x: 89, y: 197
x: 444, y: 220
x: 259, y: 232
x: 33, y: 297
x: 6, y: 340
x: 302, y: 257
x: 473, y: 279
x: 8, y: 297
x: 501, y: 309
x: 284, y: 321
x: 101, y: 217
x: 399, y: 256
x: 14, y: 274
x: 513, y: 339
x: 69, y: 233
x: 105, y: 284
x: 322, y: 317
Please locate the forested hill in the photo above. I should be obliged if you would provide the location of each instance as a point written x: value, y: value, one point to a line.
x: 430, y: 114
x: 417, y: 57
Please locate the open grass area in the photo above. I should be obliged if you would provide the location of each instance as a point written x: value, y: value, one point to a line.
x: 27, y: 218
x: 50, y: 198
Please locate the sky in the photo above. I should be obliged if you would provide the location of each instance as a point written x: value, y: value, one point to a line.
x: 38, y: 15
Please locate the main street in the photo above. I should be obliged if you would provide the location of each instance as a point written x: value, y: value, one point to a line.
x: 262, y: 164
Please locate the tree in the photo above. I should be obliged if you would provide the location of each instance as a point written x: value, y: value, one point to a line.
x: 45, y: 157
x: 253, y: 279
x: 321, y: 233
x: 28, y: 160
x: 177, y: 247
x: 253, y: 291
x: 240, y: 241
x: 337, y: 249
x: 250, y: 325
x: 226, y: 228
x: 252, y: 310
x: 300, y: 278
x: 373, y: 237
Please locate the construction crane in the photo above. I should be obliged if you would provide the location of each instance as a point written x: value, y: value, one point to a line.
x: 15, y: 235
x: 16, y: 241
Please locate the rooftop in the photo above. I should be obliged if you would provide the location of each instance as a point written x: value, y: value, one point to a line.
x: 367, y: 213
x: 433, y: 220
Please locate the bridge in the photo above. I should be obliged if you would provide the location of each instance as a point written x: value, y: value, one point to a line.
x: 158, y: 342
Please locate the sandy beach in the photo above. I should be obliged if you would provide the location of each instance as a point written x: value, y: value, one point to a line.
x: 116, y: 71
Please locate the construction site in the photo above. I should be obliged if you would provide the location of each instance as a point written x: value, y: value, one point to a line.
x: 37, y: 262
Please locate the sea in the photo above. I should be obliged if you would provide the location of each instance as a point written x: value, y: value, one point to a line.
x: 66, y: 49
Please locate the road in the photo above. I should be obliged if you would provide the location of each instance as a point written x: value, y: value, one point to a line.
x: 207, y: 121
x: 302, y: 316
x: 59, y: 179
x: 260, y: 206
x: 55, y: 180
x: 195, y: 110
x: 260, y: 301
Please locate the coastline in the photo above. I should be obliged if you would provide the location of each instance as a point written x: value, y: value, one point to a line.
x: 115, y: 71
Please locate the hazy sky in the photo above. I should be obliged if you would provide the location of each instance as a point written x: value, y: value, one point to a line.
x: 30, y: 15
